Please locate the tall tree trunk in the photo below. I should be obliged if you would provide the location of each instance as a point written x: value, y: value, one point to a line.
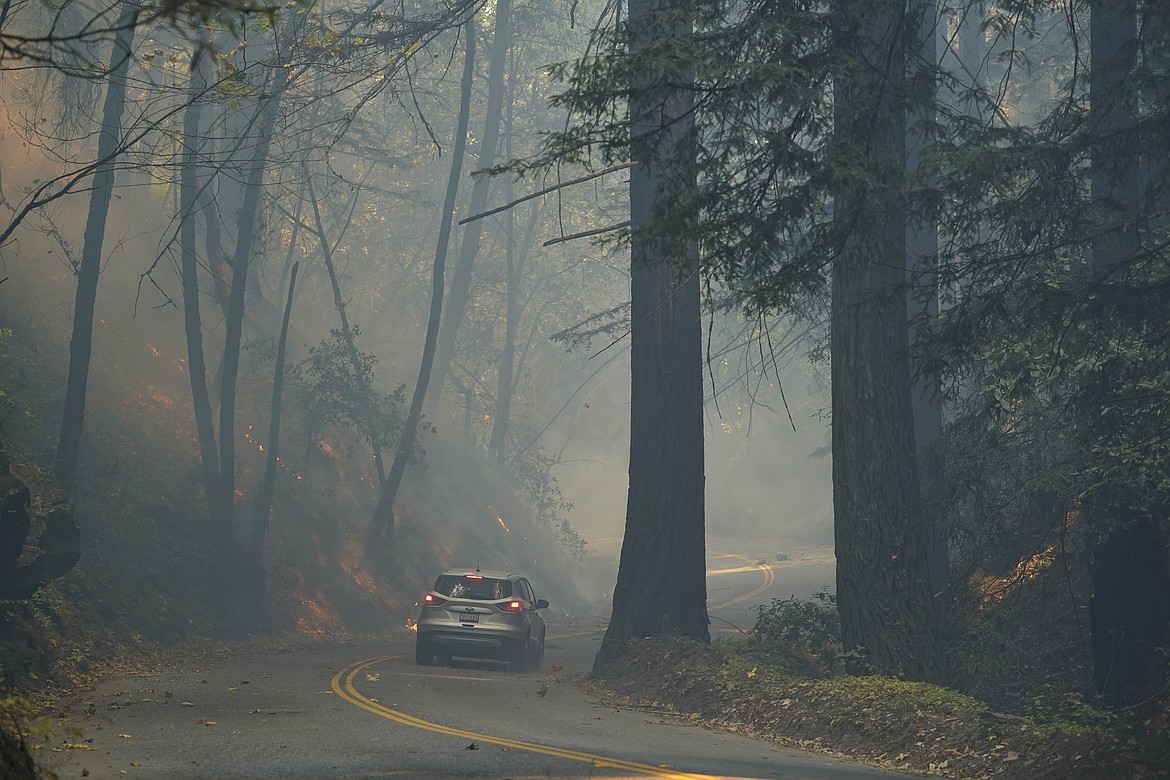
x: 510, y: 366
x: 515, y: 261
x: 661, y: 584
x: 189, y: 199
x: 460, y: 292
x: 883, y: 590
x: 1129, y: 614
x: 922, y: 261
x: 263, y: 506
x: 85, y: 300
x: 339, y: 304
x: 497, y: 450
x: 223, y: 527
x: 384, y: 512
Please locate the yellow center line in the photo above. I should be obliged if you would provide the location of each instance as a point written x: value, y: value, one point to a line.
x: 734, y: 569
x: 343, y: 686
x: 769, y: 579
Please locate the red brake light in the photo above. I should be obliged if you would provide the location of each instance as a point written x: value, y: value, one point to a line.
x: 431, y: 600
x: 511, y: 606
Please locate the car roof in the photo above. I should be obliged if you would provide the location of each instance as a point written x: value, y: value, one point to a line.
x: 498, y: 574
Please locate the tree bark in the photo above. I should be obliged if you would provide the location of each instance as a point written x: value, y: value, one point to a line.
x: 85, y: 300
x: 922, y: 297
x: 883, y: 593
x: 662, y: 582
x: 384, y: 512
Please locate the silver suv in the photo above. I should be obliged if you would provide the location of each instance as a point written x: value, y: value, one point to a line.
x: 481, y: 614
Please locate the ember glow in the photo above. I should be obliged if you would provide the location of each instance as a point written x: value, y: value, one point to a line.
x: 317, y: 618
x: 361, y: 577
x: 1029, y: 568
x: 251, y: 439
x: 411, y: 624
x: 500, y: 520
x: 160, y: 396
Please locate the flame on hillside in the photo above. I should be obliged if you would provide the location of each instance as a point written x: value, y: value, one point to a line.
x: 500, y: 520
x: 994, y: 589
x: 159, y: 397
x: 179, y: 362
x: 316, y: 614
x: 363, y: 578
x: 317, y: 618
x: 251, y: 439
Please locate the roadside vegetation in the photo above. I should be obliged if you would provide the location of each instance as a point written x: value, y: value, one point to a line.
x: 785, y: 681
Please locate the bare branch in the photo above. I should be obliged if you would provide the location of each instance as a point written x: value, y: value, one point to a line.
x: 546, y: 191
x: 587, y: 233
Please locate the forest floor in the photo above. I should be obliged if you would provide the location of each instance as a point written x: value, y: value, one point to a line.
x: 910, y: 727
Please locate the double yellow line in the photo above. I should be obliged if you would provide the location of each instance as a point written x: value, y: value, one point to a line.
x: 343, y: 687
x: 769, y: 578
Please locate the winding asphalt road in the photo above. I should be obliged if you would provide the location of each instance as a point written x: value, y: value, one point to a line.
x: 361, y: 709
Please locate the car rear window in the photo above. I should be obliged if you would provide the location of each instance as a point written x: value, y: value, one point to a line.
x: 473, y: 587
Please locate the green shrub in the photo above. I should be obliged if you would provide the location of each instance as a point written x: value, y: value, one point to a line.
x: 801, y: 635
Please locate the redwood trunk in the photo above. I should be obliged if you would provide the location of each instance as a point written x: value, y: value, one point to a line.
x: 661, y: 585
x: 883, y: 593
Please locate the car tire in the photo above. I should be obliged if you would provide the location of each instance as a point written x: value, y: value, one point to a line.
x: 423, y: 653
x: 536, y: 660
x: 520, y: 657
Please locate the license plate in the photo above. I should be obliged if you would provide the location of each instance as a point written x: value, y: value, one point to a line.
x: 468, y: 617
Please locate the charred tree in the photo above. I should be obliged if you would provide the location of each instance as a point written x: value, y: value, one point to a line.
x: 101, y: 193
x: 883, y: 589
x: 661, y: 585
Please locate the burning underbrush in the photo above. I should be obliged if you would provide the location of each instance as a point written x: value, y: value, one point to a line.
x: 150, y: 574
